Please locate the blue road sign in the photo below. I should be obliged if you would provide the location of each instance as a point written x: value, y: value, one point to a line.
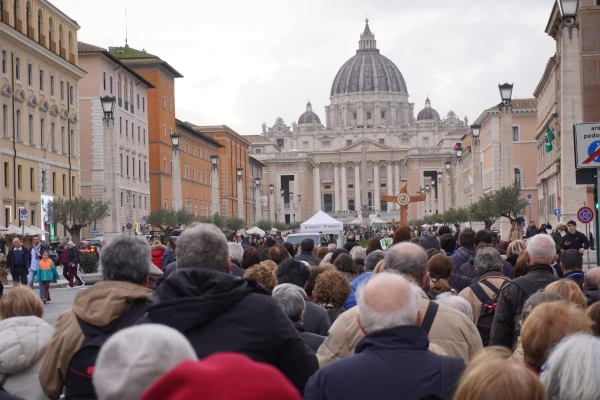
x: 94, y: 231
x: 593, y: 151
x: 585, y: 215
x: 557, y: 212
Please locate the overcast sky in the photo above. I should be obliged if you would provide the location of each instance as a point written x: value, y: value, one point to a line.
x: 249, y: 62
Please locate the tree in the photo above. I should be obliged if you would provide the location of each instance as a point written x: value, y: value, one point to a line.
x: 485, y: 210
x: 206, y: 220
x: 280, y: 226
x: 77, y: 213
x: 455, y: 216
x: 264, y: 224
x: 508, y: 203
x: 235, y: 224
x: 219, y: 220
x: 169, y: 219
x: 294, y: 225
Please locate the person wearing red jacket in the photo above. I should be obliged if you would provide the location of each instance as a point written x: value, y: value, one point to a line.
x: 157, y: 250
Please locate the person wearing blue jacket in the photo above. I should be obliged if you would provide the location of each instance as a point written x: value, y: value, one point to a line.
x: 370, y: 263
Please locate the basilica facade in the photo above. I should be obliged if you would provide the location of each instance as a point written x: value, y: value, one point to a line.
x: 368, y: 144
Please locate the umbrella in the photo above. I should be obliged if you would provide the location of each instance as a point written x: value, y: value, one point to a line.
x: 13, y: 230
x: 255, y: 231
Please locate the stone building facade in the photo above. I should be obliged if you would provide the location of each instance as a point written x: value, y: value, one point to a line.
x: 39, y: 120
x: 369, y: 107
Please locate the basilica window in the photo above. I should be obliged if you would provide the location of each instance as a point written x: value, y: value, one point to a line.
x: 326, y: 143
x: 382, y: 171
x: 328, y: 202
x: 327, y: 173
x: 305, y: 145
x: 351, y: 205
x: 516, y: 133
x: 426, y: 141
x: 368, y: 114
x: 279, y: 143
x: 405, y: 141
x: 350, y: 173
x: 381, y: 141
x: 518, y: 177
x: 383, y: 115
x: 354, y: 116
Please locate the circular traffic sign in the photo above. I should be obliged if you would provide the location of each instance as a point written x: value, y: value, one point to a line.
x: 23, y: 211
x: 529, y: 196
x: 129, y: 226
x: 403, y: 199
x: 556, y: 212
x: 594, y: 146
x: 585, y: 215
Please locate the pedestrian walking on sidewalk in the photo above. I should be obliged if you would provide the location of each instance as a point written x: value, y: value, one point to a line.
x: 46, y: 272
x: 74, y: 261
x: 17, y: 261
x: 36, y: 251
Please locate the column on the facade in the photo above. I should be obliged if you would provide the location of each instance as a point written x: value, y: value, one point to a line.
x: 345, y: 115
x: 397, y: 183
x: 377, y: 116
x: 317, y: 180
x: 344, y: 170
x: 336, y: 186
x: 476, y: 167
x: 328, y: 117
x: 390, y: 189
x: 357, y: 197
x: 376, y: 185
x: 296, y: 209
x: 572, y: 196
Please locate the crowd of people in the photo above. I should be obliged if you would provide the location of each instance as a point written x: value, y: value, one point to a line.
x: 435, y: 316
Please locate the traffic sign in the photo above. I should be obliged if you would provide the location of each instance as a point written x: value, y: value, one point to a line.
x: 144, y: 219
x: 129, y: 226
x: 585, y: 215
x: 529, y: 196
x: 556, y: 212
x: 587, y: 145
x: 93, y: 231
x: 23, y: 214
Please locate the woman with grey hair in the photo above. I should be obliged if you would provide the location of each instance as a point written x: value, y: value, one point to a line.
x: 456, y: 302
x: 358, y: 255
x: 291, y: 300
x: 571, y: 370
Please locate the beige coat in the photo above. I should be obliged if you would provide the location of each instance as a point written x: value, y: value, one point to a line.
x: 452, y: 331
x: 99, y: 306
x: 469, y: 295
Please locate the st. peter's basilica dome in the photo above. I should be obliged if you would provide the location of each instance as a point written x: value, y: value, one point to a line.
x: 309, y: 117
x: 368, y: 70
x: 428, y: 113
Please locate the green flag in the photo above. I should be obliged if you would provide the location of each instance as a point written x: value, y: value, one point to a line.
x: 548, y: 139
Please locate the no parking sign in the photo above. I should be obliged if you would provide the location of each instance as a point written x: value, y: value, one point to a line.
x: 585, y: 215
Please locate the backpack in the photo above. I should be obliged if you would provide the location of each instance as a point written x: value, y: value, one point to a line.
x: 78, y: 381
x: 488, y: 308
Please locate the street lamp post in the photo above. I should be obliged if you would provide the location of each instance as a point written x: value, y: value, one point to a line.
x: 476, y: 163
x: 507, y: 175
x: 176, y: 203
x: 215, y: 209
x: 110, y: 225
x: 298, y: 218
x: 271, y: 203
x: 240, y: 193
x: 450, y: 187
x: 282, y: 207
x: 257, y: 200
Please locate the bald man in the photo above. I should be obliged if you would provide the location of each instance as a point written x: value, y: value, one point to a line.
x: 448, y: 328
x: 394, y: 346
x: 590, y: 285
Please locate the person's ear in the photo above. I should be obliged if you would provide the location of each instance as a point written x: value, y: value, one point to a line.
x: 360, y: 325
x: 146, y: 281
x: 554, y: 259
x: 584, y: 286
x: 527, y: 259
x: 424, y: 280
x: 419, y: 317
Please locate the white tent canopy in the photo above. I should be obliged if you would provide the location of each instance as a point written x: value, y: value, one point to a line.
x: 323, y: 223
x: 255, y: 231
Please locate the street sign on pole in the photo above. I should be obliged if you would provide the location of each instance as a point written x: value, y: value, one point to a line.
x: 93, y: 231
x: 129, y: 226
x: 557, y: 212
x: 529, y: 196
x: 585, y: 215
x: 587, y: 145
x: 23, y: 214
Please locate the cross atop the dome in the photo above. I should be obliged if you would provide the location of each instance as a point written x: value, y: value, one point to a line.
x: 367, y: 40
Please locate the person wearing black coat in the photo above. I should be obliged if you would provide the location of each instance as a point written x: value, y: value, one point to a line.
x: 574, y: 239
x: 219, y: 312
x: 571, y: 263
x: 18, y: 261
x: 514, y: 294
x: 350, y: 242
x: 590, y: 286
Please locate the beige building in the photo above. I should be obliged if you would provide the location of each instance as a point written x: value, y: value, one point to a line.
x: 369, y: 109
x: 482, y: 165
x: 39, y: 143
x: 107, y: 76
x: 567, y: 94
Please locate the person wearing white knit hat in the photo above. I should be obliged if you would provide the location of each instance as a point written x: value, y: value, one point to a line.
x: 132, y: 359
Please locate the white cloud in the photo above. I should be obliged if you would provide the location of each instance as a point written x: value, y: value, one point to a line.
x: 246, y: 63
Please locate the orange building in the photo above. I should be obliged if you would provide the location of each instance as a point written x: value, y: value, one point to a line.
x: 233, y: 155
x: 161, y: 121
x: 195, y: 149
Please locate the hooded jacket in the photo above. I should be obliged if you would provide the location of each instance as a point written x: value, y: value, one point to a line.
x: 389, y: 364
x: 468, y: 269
x: 451, y: 330
x: 99, y: 305
x: 23, y: 341
x: 157, y: 251
x: 219, y: 312
x: 461, y: 256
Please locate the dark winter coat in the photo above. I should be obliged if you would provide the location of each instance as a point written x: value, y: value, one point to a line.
x: 390, y: 364
x: 575, y: 241
x: 592, y: 294
x: 308, y: 257
x: 576, y: 276
x: 10, y: 258
x: 219, y: 312
x: 168, y: 256
x: 360, y: 266
x: 316, y: 319
x: 459, y: 282
x: 350, y: 244
x: 461, y: 256
x: 312, y: 340
x: 532, y: 231
x: 468, y: 269
x: 236, y: 269
x: 510, y: 304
